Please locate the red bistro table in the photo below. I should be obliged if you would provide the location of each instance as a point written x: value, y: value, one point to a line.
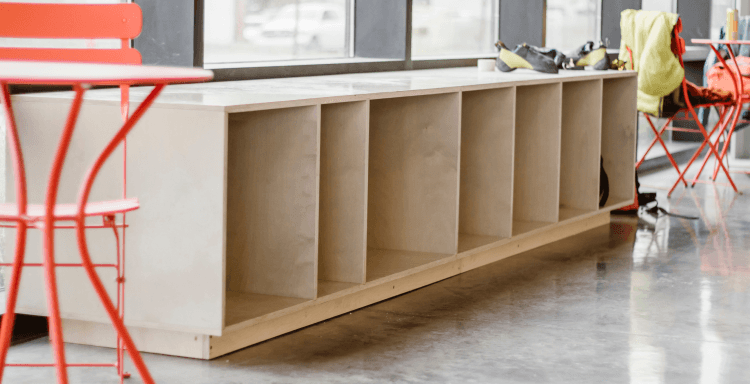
x: 44, y: 217
x: 740, y: 98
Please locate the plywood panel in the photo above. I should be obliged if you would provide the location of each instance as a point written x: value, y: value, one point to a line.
x: 176, y: 168
x: 581, y: 138
x: 383, y: 263
x: 413, y: 174
x: 537, y: 153
x: 487, y: 140
x: 322, y: 309
x: 343, y: 192
x: 272, y: 200
x: 619, y: 127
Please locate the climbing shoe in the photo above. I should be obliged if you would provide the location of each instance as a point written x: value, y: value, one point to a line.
x: 523, y: 57
x: 587, y: 56
x: 557, y: 56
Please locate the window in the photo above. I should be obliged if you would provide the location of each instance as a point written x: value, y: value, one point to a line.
x: 719, y: 16
x: 452, y: 28
x: 272, y: 30
x: 571, y: 23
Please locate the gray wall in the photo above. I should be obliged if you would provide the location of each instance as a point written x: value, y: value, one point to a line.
x: 168, y: 28
x: 696, y: 19
x: 381, y: 27
x: 611, y: 10
x: 522, y: 21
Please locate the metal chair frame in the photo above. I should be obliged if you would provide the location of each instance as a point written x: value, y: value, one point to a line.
x: 26, y: 20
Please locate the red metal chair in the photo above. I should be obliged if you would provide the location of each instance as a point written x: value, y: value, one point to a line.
x: 70, y: 21
x: 728, y: 113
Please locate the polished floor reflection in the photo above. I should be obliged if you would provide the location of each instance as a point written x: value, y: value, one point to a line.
x: 640, y: 301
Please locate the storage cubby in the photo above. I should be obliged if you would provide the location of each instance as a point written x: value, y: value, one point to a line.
x: 412, y: 210
x: 343, y: 196
x: 580, y: 149
x: 272, y: 200
x: 536, y: 179
x: 486, y: 196
x: 619, y: 116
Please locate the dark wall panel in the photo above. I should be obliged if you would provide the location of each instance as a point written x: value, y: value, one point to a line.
x: 696, y: 19
x: 611, y: 10
x: 380, y: 28
x: 168, y: 29
x: 522, y: 21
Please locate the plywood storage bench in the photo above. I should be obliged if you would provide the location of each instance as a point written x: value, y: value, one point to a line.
x: 270, y: 205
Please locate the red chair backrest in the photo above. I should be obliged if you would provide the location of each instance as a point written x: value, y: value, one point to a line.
x: 72, y: 21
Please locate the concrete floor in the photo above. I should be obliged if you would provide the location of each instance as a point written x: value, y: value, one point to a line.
x: 639, y: 301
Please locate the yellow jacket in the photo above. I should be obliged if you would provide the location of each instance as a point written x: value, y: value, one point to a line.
x: 648, y: 34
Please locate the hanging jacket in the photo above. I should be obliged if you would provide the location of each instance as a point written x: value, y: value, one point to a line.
x: 647, y: 35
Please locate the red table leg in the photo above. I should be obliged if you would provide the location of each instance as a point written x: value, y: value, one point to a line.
x: 125, y: 342
x: 81, y: 234
x: 19, y: 172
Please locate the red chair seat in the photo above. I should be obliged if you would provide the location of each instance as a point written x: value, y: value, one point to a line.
x: 9, y: 211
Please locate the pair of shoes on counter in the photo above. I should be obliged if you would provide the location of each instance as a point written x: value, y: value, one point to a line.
x: 549, y: 60
x: 588, y: 56
x: 529, y: 57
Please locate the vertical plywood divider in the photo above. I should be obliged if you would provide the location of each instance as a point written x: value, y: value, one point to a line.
x: 487, y: 141
x: 413, y: 174
x: 272, y: 189
x: 343, y: 192
x: 619, y: 120
x: 580, y: 151
x: 537, y: 155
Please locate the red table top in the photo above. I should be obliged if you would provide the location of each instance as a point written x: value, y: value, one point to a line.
x: 731, y: 42
x: 58, y: 73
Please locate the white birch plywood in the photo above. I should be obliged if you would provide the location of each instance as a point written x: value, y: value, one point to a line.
x: 343, y: 192
x: 581, y: 145
x: 537, y: 156
x: 176, y: 169
x: 413, y: 174
x: 272, y: 200
x: 487, y: 140
x: 252, y: 95
x: 619, y: 117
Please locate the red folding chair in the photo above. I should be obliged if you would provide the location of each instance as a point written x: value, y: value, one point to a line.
x: 741, y: 98
x: 69, y: 21
x: 728, y: 112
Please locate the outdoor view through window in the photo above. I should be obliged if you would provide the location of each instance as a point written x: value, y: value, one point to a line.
x: 571, y: 23
x: 453, y: 28
x: 274, y: 30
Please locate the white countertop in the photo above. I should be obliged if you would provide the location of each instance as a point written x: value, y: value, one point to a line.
x: 248, y: 95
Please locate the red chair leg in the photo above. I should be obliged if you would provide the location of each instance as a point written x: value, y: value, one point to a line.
x: 729, y: 138
x: 664, y: 145
x: 711, y: 146
x: 692, y: 159
x: 657, y: 134
x: 720, y: 125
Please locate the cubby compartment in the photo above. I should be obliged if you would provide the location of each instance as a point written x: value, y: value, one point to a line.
x: 536, y: 176
x: 580, y: 150
x: 342, y: 244
x: 486, y: 195
x: 412, y: 209
x: 619, y: 116
x: 272, y: 215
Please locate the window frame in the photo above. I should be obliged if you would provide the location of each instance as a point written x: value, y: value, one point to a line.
x: 295, y: 68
